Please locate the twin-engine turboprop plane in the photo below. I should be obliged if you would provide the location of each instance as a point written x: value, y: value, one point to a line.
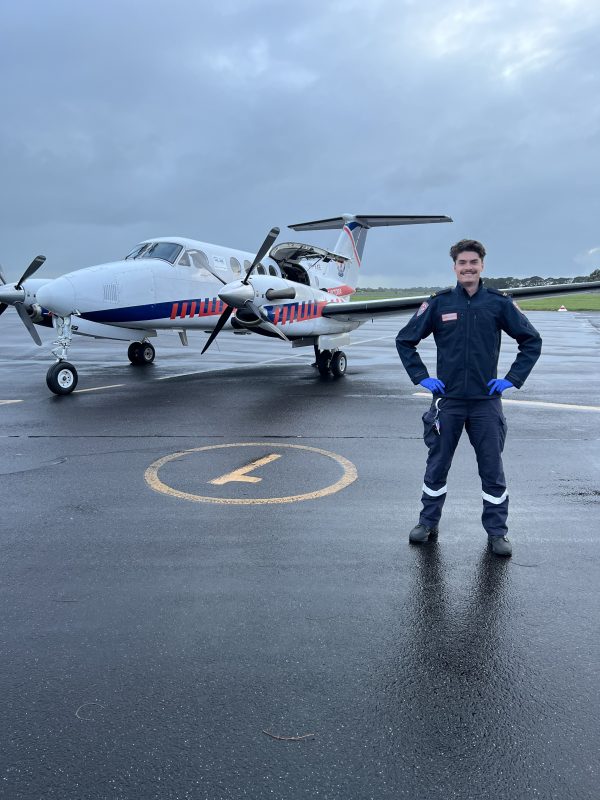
x: 297, y: 292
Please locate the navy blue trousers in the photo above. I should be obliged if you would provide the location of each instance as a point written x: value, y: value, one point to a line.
x: 486, y: 428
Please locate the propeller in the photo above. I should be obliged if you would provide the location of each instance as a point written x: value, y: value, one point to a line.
x: 14, y: 295
x: 265, y: 247
x: 33, y: 267
x: 20, y: 308
x: 247, y: 303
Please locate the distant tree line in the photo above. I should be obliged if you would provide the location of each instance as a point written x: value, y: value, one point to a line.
x: 502, y: 283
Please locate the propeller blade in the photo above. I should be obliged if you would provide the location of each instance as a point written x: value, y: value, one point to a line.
x: 274, y: 329
x: 265, y: 247
x: 220, y: 322
x: 265, y: 322
x: 2, y: 278
x: 28, y: 323
x: 3, y: 307
x: 33, y: 267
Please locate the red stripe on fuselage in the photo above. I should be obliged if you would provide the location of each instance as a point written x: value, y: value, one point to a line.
x: 349, y: 232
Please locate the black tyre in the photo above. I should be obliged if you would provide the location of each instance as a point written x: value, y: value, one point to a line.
x: 133, y: 352
x: 141, y: 353
x: 61, y: 378
x: 323, y: 362
x: 338, y: 364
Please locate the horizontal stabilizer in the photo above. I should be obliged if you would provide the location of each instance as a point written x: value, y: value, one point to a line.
x: 366, y: 221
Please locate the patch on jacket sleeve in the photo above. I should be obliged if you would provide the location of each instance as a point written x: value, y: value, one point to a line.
x: 449, y: 317
x: 422, y: 308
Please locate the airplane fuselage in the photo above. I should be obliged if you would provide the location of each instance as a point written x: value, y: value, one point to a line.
x: 151, y: 293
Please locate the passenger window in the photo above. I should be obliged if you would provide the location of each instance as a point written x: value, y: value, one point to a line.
x: 272, y: 270
x: 236, y: 267
x: 261, y: 270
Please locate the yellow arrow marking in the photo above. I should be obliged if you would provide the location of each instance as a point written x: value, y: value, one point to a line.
x: 240, y: 475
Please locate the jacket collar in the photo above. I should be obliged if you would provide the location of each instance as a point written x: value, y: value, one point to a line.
x: 460, y: 291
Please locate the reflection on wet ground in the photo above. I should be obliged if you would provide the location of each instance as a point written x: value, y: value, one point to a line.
x: 147, y: 641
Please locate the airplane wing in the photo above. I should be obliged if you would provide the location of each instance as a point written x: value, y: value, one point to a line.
x: 367, y: 309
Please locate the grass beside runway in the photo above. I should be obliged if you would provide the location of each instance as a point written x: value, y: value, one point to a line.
x: 572, y: 302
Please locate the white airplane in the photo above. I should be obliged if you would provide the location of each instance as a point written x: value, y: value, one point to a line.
x: 297, y: 292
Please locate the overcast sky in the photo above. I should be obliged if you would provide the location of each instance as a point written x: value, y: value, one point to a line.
x: 126, y: 120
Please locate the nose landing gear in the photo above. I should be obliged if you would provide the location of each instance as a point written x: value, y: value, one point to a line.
x: 61, y: 378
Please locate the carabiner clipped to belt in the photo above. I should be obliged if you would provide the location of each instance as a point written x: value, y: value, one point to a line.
x: 436, y: 421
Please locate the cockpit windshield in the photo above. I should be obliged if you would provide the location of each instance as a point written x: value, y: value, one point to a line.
x: 166, y: 251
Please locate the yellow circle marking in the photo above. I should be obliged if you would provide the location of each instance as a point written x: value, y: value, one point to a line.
x: 152, y: 479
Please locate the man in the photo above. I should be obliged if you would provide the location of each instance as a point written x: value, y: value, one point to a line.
x: 466, y: 323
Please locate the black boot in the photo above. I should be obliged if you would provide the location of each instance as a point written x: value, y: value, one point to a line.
x: 421, y: 533
x: 500, y: 545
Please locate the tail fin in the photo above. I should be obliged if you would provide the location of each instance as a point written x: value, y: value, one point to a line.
x: 351, y: 241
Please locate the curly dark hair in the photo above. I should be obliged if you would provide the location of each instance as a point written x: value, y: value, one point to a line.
x: 464, y: 245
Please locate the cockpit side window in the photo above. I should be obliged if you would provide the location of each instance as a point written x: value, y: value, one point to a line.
x: 137, y: 251
x: 184, y: 261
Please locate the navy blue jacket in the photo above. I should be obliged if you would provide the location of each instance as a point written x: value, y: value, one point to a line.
x: 467, y: 332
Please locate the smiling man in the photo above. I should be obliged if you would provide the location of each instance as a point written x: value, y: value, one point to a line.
x: 467, y: 323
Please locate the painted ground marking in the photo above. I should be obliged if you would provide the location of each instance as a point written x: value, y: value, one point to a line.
x: 241, y: 475
x: 152, y: 479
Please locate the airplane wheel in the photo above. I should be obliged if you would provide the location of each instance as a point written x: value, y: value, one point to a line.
x: 338, y: 364
x: 323, y: 362
x: 132, y: 352
x: 146, y: 353
x: 61, y: 378
x: 141, y: 353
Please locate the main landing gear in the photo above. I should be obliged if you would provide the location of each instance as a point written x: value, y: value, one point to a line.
x: 140, y: 353
x: 331, y: 363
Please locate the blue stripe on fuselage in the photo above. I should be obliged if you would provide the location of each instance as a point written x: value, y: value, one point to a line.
x: 147, y: 312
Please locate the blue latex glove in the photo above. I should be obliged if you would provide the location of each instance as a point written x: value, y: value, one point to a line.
x: 499, y: 385
x: 434, y: 385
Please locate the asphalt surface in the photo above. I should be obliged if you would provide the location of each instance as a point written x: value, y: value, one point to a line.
x: 154, y: 643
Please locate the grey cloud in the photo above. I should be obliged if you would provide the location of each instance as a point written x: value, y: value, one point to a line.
x: 129, y: 120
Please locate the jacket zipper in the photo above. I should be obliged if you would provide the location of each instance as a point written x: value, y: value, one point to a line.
x: 468, y: 343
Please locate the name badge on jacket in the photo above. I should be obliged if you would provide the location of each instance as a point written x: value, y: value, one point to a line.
x: 449, y: 317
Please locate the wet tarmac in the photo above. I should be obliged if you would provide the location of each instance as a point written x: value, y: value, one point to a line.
x: 207, y: 589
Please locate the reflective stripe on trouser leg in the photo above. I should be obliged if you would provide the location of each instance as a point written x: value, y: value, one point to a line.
x: 495, y: 513
x: 486, y: 427
x: 441, y: 450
